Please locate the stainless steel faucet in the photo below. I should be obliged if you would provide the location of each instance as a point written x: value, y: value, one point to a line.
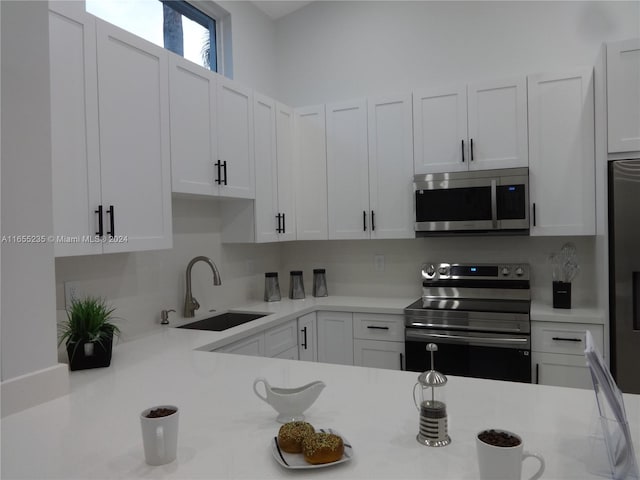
x: 190, y: 303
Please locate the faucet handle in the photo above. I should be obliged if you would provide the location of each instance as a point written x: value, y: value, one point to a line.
x: 164, y: 315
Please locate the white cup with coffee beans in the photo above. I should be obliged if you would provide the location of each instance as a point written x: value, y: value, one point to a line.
x: 500, y: 456
x: 160, y: 434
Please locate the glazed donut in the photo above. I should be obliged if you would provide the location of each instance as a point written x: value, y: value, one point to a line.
x: 292, y: 434
x: 322, y: 448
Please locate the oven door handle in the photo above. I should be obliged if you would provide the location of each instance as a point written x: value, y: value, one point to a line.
x: 468, y: 339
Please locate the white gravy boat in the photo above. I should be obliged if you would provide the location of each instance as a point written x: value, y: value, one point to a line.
x: 290, y: 403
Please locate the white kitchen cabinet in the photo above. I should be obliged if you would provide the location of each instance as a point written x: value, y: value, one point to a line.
x: 378, y: 354
x: 281, y: 338
x: 194, y: 140
x: 335, y: 337
x: 562, y: 158
x: 557, y: 353
x: 475, y: 127
x: 110, y: 137
x: 252, y: 346
x: 235, y: 139
x: 307, y: 337
x: 378, y: 340
x: 133, y: 113
x: 75, y: 144
x: 623, y: 95
x: 310, y: 167
x: 348, y: 170
x: 210, y: 156
x: 390, y: 167
x: 273, y: 141
x: 289, y: 354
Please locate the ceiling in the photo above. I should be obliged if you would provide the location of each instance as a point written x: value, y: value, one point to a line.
x: 277, y: 9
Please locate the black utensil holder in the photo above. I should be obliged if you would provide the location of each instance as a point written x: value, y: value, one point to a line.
x: 561, y: 295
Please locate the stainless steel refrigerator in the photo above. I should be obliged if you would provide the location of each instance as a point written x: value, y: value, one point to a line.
x: 624, y: 271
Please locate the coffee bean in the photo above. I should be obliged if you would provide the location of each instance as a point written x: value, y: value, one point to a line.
x: 498, y: 439
x: 160, y: 412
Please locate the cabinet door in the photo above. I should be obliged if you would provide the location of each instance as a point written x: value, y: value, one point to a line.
x: 284, y: 153
x: 194, y: 150
x: 74, y: 129
x: 310, y: 171
x: 378, y: 354
x: 348, y: 170
x: 497, y: 116
x: 252, y: 346
x: 390, y: 167
x: 281, y: 338
x: 235, y: 139
x: 335, y: 337
x: 307, y: 343
x: 133, y: 100
x: 623, y: 95
x: 289, y: 354
x: 440, y: 130
x: 266, y: 205
x: 562, y: 160
x: 560, y: 370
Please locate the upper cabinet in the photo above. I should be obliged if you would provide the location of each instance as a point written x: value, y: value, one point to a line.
x: 474, y: 127
x: 348, y: 170
x: 561, y: 153
x: 110, y: 138
x: 310, y: 173
x: 273, y: 144
x: 391, y: 167
x: 623, y: 95
x: 210, y: 157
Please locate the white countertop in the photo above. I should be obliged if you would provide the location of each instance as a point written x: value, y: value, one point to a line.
x: 225, y: 430
x: 543, y: 312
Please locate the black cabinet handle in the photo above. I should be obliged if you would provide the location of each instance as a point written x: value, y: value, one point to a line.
x: 562, y: 339
x: 364, y: 220
x: 373, y: 221
x: 471, y: 148
x: 278, y: 229
x: 534, y: 214
x: 304, y: 342
x: 100, y: 231
x: 112, y: 221
x: 374, y: 327
x: 462, y: 150
x: 537, y: 373
x: 284, y: 226
x: 224, y: 167
x: 401, y: 362
x: 218, y: 179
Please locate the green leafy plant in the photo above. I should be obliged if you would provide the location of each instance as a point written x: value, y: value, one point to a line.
x: 88, y: 321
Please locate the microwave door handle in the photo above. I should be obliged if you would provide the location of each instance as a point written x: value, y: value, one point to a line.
x: 494, y: 203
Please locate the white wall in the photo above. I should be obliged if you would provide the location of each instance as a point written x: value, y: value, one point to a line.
x: 330, y: 51
x: 28, y: 302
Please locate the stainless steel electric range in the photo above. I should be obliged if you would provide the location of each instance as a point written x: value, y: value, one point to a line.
x: 478, y: 315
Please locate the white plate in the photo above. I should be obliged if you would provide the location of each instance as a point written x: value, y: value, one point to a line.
x: 297, y: 461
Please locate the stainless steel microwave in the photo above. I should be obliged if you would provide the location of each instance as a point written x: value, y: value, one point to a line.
x: 479, y: 201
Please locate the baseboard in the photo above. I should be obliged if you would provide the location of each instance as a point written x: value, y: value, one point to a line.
x: 29, y: 390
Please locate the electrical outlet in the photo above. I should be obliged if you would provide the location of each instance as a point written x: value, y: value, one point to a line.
x: 378, y: 263
x: 250, y: 267
x: 72, y: 290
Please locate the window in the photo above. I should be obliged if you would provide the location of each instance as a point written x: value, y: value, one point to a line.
x: 173, y: 24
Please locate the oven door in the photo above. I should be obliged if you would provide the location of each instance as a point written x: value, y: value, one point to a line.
x: 471, y: 354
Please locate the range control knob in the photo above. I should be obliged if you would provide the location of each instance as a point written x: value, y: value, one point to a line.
x: 430, y: 270
x: 443, y: 270
x: 519, y: 271
x: 505, y: 271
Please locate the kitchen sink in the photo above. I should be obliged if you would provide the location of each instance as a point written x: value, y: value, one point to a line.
x: 223, y: 321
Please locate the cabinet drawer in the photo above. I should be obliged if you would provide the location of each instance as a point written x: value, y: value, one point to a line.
x: 377, y: 326
x: 560, y: 370
x: 567, y: 338
x: 281, y: 338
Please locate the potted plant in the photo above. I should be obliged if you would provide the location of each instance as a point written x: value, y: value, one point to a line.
x: 88, y: 333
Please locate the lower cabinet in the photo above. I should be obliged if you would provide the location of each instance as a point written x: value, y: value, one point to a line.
x: 557, y: 353
x: 252, y: 346
x: 277, y: 342
x: 378, y: 340
x: 335, y: 337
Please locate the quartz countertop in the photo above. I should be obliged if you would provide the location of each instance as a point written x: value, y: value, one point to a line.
x: 226, y: 431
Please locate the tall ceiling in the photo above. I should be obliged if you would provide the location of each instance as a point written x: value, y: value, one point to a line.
x: 277, y: 9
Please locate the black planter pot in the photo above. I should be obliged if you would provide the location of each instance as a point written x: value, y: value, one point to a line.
x: 101, y: 356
